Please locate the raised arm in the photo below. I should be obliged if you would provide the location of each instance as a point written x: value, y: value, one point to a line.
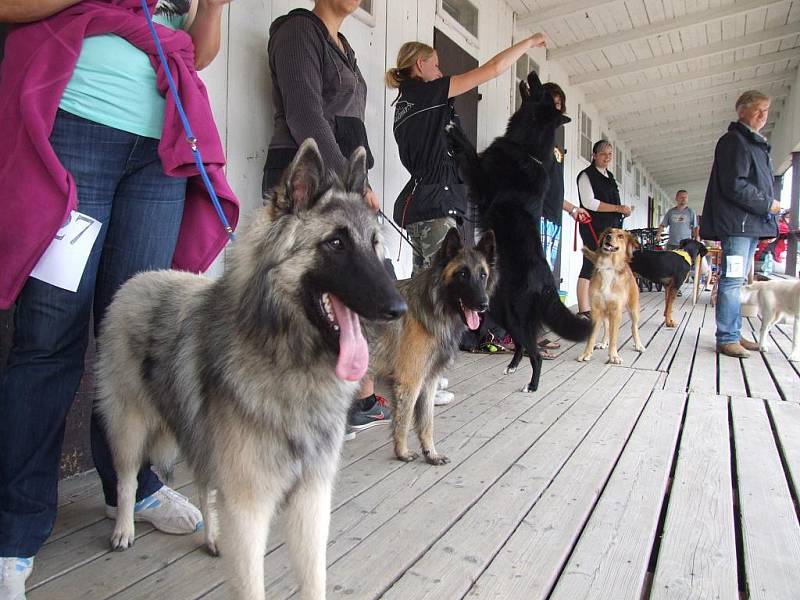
x: 494, y: 66
x: 25, y: 11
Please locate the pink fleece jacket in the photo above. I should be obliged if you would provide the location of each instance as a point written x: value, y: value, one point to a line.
x: 37, y: 192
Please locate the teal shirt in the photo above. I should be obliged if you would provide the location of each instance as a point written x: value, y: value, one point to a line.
x: 114, y: 84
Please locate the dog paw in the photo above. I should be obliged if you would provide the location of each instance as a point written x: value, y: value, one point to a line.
x: 436, y: 459
x: 640, y: 348
x: 614, y: 360
x: 528, y: 389
x: 509, y: 370
x: 670, y: 323
x: 584, y: 358
x: 211, y: 547
x: 122, y: 538
x: 408, y: 456
x: 601, y: 346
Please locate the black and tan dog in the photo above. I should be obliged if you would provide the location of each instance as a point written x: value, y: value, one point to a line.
x: 669, y: 267
x: 443, y: 301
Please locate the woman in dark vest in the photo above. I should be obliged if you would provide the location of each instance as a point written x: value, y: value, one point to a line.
x: 599, y: 195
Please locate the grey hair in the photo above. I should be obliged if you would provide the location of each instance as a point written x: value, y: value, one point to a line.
x: 748, y: 98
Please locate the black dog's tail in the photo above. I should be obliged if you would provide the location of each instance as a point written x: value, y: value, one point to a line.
x: 469, y: 165
x: 560, y: 319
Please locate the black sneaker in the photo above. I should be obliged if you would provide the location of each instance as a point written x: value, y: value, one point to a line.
x: 378, y: 414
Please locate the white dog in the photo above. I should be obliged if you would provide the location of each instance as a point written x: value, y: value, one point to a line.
x: 777, y: 300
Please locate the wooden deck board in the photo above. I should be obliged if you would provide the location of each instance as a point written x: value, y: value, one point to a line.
x: 611, y: 557
x: 697, y: 558
x: 537, y: 484
x: 784, y: 374
x: 770, y: 530
x: 786, y: 416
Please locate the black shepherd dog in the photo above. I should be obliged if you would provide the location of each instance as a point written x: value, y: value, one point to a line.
x: 507, y: 184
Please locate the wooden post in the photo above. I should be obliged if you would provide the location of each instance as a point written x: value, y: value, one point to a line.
x: 794, y: 211
x: 696, y: 290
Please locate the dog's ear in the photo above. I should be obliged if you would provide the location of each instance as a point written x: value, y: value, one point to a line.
x: 535, y: 86
x: 703, y: 249
x: 451, y: 245
x: 355, y: 178
x: 486, y: 246
x: 303, y: 178
x: 631, y: 244
x: 590, y: 255
x: 524, y: 90
x: 565, y: 119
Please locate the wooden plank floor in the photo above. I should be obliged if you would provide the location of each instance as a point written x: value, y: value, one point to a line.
x: 675, y: 475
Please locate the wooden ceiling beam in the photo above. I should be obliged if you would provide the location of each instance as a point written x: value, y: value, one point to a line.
x: 737, y: 43
x: 661, y: 28
x: 704, y: 73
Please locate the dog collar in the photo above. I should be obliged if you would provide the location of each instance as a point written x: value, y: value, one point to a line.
x: 683, y: 254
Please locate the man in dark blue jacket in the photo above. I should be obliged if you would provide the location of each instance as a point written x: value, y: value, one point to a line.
x: 739, y: 210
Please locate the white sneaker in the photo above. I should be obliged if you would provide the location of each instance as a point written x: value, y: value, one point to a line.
x: 14, y: 571
x: 443, y: 397
x: 167, y: 511
x: 443, y: 383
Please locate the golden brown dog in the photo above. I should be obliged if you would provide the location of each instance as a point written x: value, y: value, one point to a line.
x: 612, y: 288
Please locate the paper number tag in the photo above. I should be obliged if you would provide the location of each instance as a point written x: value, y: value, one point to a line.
x: 64, y: 261
x: 734, y: 266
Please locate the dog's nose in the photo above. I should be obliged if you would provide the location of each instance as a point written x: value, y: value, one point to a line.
x: 394, y: 310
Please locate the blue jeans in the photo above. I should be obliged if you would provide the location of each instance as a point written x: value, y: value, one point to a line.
x: 729, y: 318
x: 551, y: 238
x: 120, y: 182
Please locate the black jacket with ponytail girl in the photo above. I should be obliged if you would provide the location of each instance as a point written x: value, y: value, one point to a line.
x: 435, y: 190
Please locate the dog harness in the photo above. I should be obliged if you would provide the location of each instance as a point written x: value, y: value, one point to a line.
x: 683, y: 254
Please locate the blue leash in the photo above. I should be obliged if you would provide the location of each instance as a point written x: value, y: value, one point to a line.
x: 186, y: 127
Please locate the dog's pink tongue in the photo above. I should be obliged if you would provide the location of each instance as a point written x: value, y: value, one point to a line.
x: 473, y: 320
x: 353, y: 350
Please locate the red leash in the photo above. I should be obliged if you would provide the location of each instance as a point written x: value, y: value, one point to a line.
x: 587, y: 220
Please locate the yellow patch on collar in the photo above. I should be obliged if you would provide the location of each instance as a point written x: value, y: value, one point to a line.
x: 683, y: 254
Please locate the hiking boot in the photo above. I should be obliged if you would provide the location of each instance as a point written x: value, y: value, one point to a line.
x: 167, y: 511
x: 748, y: 345
x: 443, y: 397
x: 14, y: 571
x: 378, y: 414
x: 733, y: 349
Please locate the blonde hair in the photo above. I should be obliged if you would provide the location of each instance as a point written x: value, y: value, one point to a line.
x: 748, y: 98
x: 407, y: 57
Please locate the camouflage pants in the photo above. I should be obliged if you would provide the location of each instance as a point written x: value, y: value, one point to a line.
x: 427, y: 236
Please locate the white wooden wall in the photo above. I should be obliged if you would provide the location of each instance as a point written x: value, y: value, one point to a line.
x: 239, y: 86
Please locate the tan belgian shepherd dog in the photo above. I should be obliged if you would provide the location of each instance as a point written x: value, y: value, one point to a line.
x: 413, y: 352
x: 612, y: 289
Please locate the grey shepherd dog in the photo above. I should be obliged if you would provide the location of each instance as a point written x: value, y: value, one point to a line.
x: 443, y: 301
x: 251, y: 376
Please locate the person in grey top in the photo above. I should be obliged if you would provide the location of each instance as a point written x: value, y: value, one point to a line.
x: 681, y: 221
x: 317, y: 89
